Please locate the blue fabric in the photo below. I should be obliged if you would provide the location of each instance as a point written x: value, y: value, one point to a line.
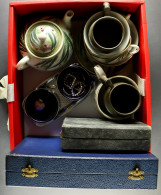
x: 51, y: 146
x: 77, y: 170
x: 47, y: 151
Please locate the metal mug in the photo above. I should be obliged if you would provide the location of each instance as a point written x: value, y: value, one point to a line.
x: 116, y: 97
x: 115, y: 48
x: 106, y: 33
x: 58, y: 95
x: 102, y: 19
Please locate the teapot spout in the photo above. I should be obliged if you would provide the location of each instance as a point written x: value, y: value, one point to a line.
x: 67, y: 18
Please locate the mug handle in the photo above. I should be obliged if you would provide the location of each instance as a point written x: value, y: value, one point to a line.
x: 102, y: 76
x: 128, y: 16
x: 106, y: 8
x: 22, y: 63
x: 136, y: 49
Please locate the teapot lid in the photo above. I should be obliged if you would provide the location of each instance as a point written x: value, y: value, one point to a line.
x: 44, y: 38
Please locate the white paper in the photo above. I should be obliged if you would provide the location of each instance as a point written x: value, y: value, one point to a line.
x: 3, y: 91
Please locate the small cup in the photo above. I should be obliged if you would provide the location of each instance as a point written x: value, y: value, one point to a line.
x: 117, y: 97
x: 106, y: 33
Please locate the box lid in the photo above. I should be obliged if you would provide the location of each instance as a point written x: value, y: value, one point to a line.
x: 45, y: 154
x: 95, y: 128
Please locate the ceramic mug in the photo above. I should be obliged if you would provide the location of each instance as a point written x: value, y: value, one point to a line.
x: 46, y: 45
x: 117, y: 97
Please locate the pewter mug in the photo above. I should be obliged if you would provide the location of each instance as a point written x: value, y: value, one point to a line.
x: 108, y: 40
x: 117, y: 97
x: 106, y: 34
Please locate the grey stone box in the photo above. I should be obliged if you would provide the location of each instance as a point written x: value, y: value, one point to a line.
x: 103, y: 135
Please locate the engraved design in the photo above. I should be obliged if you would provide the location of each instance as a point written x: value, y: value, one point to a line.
x: 75, y: 87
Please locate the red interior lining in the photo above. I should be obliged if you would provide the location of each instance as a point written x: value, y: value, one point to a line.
x: 81, y: 8
x: 14, y: 76
x: 143, y: 65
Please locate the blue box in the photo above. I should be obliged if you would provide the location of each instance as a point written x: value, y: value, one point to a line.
x: 78, y: 170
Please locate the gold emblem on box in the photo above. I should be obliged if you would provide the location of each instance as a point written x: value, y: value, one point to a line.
x: 136, y: 174
x: 29, y: 172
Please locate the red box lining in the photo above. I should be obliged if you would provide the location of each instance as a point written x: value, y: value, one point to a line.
x: 15, y: 115
x: 81, y: 8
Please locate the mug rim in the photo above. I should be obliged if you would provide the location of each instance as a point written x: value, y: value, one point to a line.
x: 106, y: 113
x: 50, y: 56
x: 128, y: 113
x: 93, y: 38
x: 99, y: 15
x: 108, y: 57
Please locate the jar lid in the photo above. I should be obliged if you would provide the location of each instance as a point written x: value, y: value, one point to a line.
x: 43, y: 38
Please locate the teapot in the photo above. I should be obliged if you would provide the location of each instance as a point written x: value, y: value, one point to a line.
x: 46, y: 44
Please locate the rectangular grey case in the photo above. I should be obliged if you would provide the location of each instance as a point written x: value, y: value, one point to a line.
x: 101, y: 134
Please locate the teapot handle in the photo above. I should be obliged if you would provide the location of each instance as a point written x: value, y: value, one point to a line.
x: 22, y: 63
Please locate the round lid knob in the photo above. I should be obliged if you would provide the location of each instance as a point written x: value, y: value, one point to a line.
x: 43, y: 38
